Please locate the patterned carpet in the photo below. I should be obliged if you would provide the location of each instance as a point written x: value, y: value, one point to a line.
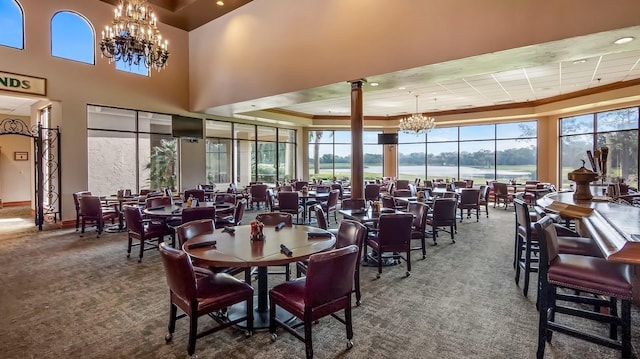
x: 66, y: 296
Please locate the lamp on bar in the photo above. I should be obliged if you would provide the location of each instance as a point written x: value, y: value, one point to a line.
x: 417, y: 123
x: 133, y: 36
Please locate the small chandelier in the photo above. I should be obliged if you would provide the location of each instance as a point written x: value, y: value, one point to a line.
x: 133, y: 36
x: 417, y: 123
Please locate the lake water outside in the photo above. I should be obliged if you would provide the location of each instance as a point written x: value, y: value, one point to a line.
x: 445, y: 171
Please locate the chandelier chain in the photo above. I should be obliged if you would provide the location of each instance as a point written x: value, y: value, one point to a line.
x: 133, y: 36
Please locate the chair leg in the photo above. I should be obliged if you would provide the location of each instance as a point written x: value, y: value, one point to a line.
x: 452, y: 230
x: 272, y: 318
x: 434, y: 233
x: 626, y: 328
x: 141, y: 250
x: 424, y: 245
x: 348, y: 324
x: 408, y: 262
x: 542, y: 320
x: 308, y: 338
x: 173, y: 311
x: 129, y: 244
x: 516, y: 258
x: 379, y: 263
x: 357, y: 284
x: 193, y: 331
x: 527, y: 268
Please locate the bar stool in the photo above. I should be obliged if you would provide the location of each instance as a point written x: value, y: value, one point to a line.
x: 590, y: 275
x: 527, y: 243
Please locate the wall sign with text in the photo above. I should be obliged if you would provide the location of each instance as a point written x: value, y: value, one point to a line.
x: 22, y: 83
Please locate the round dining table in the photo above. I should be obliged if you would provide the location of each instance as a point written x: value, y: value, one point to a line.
x: 236, y: 249
x: 175, y: 210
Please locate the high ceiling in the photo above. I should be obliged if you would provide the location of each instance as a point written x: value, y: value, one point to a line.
x: 506, y: 79
x: 189, y: 14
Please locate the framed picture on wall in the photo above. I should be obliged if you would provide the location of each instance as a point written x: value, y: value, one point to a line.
x: 21, y: 156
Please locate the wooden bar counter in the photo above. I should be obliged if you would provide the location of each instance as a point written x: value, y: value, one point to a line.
x: 614, y: 227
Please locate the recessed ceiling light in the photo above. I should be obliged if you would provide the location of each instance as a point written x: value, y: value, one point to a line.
x: 624, y: 40
x: 374, y: 84
x: 402, y: 88
x: 220, y: 3
x: 581, y: 61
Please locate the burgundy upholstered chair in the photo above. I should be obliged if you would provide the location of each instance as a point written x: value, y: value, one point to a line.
x: 158, y: 201
x: 602, y: 283
x: 388, y: 202
x: 258, y: 194
x: 372, y: 192
x: 470, y: 201
x: 484, y: 198
x: 350, y: 232
x: 393, y: 235
x: 149, y: 233
x: 272, y: 219
x: 234, y: 220
x: 92, y: 211
x: 202, y: 295
x: 194, y: 213
x: 353, y: 203
x: 226, y: 198
x: 288, y: 202
x: 402, y: 184
x: 419, y: 211
x: 501, y: 194
x: 76, y: 202
x: 196, y: 193
x: 195, y: 228
x: 527, y: 243
x: 325, y: 290
x: 443, y: 214
x: 299, y: 184
x: 331, y: 205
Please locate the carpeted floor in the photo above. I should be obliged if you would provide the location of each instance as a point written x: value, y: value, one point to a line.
x: 66, y: 296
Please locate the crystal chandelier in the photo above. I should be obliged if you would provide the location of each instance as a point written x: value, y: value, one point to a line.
x: 133, y: 36
x: 417, y: 123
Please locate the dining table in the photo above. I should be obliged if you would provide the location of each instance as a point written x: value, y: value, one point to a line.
x: 305, y: 196
x: 175, y: 210
x: 235, y: 248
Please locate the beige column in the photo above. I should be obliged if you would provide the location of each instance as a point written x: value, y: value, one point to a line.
x: 357, y: 125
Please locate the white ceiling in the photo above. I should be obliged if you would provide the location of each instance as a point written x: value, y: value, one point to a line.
x: 16, y: 106
x: 512, y: 76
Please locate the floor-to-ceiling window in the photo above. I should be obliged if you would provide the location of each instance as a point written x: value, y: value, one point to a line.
x: 411, y: 155
x: 263, y: 153
x: 218, y: 153
x: 330, y: 155
x: 479, y: 152
x: 616, y: 130
x: 129, y: 149
x: 286, y: 154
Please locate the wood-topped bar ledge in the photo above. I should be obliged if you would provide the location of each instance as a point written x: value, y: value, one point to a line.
x: 615, y: 228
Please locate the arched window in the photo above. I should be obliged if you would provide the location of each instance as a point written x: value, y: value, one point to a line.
x: 11, y: 24
x: 72, y: 37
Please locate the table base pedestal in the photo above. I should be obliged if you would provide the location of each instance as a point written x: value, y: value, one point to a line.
x: 260, y: 318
